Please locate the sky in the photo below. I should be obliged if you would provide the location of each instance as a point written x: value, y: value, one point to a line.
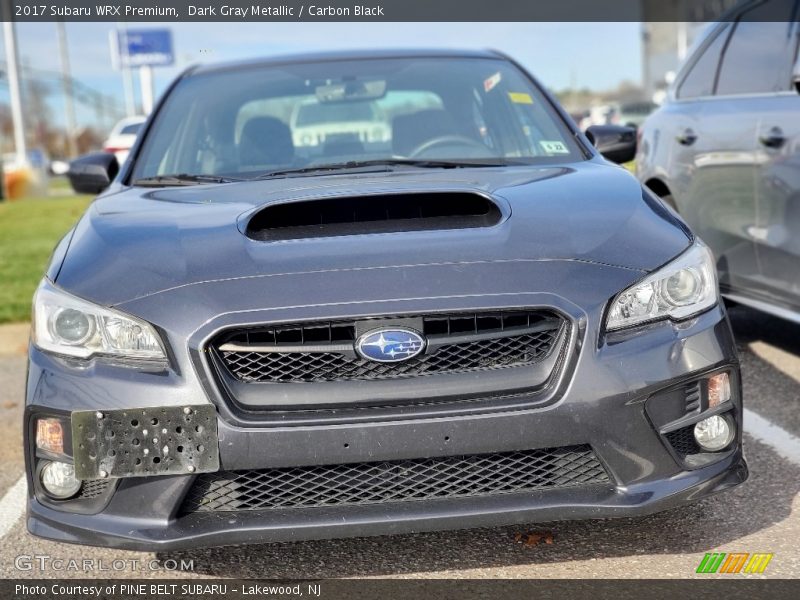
x: 560, y: 55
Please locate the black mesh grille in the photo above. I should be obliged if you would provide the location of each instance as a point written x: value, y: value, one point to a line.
x: 93, y: 488
x: 330, y: 366
x: 500, y: 340
x: 682, y: 440
x: 395, y: 481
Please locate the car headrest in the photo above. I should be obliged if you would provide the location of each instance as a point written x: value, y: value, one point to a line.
x: 265, y: 141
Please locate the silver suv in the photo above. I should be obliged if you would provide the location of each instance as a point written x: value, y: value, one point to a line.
x: 724, y: 151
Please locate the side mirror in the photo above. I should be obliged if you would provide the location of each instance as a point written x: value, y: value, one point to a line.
x: 92, y: 173
x: 616, y: 143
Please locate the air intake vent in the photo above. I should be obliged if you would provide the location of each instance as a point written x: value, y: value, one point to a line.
x: 373, y: 214
x: 396, y: 481
x: 693, y: 397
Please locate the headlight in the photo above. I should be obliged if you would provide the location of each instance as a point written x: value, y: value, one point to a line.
x: 683, y: 288
x: 68, y: 325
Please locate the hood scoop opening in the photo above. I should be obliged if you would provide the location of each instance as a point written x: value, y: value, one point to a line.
x: 358, y: 215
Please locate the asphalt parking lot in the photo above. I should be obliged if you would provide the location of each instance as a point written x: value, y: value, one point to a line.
x: 761, y: 516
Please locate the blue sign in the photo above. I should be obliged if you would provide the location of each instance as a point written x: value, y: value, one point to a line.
x: 146, y: 47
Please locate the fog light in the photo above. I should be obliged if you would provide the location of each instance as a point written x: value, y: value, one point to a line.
x: 714, y: 433
x: 50, y: 435
x: 59, y: 481
x: 719, y: 389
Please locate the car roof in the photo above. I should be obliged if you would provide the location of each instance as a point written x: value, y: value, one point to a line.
x: 315, y: 57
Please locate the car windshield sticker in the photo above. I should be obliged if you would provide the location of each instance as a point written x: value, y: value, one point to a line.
x: 491, y: 82
x: 520, y: 97
x: 553, y: 147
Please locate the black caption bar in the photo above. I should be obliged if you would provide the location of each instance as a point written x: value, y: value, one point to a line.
x: 574, y: 589
x: 384, y: 10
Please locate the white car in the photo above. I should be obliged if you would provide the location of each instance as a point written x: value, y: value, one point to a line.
x: 122, y: 137
x: 344, y: 126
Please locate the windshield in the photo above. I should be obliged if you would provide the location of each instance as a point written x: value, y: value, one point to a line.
x: 247, y: 121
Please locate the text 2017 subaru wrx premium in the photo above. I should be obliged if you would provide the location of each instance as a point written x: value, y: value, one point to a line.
x: 436, y: 305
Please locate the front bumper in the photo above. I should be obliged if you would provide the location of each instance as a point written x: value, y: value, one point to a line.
x: 117, y: 530
x: 603, y: 403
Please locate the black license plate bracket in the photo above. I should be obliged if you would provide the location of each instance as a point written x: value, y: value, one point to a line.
x: 141, y: 442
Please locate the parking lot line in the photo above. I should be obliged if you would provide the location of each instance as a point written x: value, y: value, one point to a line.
x: 766, y: 432
x: 12, y: 505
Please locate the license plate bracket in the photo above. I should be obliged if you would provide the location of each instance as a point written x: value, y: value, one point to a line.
x: 141, y: 442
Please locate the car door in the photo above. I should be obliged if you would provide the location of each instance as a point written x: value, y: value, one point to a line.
x: 778, y: 184
x: 712, y: 168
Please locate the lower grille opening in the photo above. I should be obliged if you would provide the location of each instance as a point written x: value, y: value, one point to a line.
x: 93, y: 488
x: 682, y: 440
x: 395, y: 481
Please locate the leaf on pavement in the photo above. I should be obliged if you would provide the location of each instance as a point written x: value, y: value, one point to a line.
x: 534, y: 538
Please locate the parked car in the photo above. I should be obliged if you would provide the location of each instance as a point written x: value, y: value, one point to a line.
x: 724, y: 151
x: 633, y: 114
x: 122, y: 136
x: 486, y: 322
x: 339, y: 128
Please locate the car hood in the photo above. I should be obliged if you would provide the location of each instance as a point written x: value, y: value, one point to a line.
x: 137, y: 242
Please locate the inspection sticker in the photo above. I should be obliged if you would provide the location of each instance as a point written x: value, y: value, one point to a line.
x: 491, y: 82
x: 553, y: 147
x: 520, y: 98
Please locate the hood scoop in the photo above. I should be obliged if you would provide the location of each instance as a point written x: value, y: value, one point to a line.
x: 385, y: 213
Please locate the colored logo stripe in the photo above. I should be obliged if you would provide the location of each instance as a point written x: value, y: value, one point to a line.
x: 711, y: 562
x: 757, y: 563
x: 734, y: 562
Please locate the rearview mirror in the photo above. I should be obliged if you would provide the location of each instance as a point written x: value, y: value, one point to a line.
x: 616, y: 143
x: 92, y: 173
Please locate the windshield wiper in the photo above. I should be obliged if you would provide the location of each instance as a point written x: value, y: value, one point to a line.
x: 181, y: 179
x: 389, y: 162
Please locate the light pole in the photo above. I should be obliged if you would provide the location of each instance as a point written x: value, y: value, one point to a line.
x: 119, y: 47
x: 66, y: 81
x: 12, y: 69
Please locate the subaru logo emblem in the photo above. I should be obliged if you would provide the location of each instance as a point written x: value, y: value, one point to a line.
x: 390, y: 345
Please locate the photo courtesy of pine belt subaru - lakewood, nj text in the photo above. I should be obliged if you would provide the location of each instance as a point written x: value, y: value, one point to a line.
x: 436, y: 305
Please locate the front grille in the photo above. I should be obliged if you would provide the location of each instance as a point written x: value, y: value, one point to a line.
x: 682, y: 440
x: 395, y: 481
x: 321, y: 352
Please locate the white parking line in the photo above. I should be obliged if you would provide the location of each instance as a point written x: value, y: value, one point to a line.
x: 766, y: 432
x: 12, y: 505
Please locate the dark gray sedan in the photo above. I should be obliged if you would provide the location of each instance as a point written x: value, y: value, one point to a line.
x: 436, y: 305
